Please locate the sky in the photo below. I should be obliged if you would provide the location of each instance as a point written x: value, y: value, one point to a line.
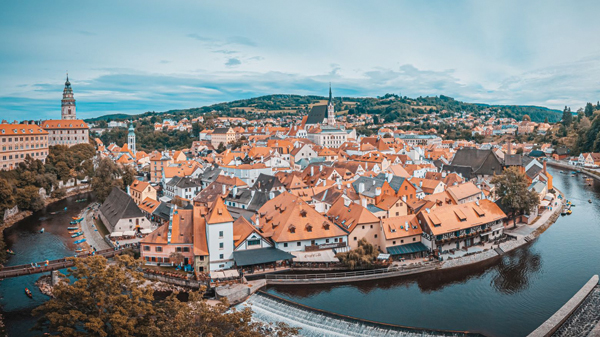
x: 137, y: 56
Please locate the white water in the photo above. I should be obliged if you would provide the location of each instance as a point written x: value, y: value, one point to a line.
x: 315, y: 324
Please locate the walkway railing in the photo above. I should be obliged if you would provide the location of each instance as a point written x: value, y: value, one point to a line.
x: 335, y: 275
x: 27, y: 269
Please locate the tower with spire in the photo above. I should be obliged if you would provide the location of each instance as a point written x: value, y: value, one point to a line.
x: 68, y: 102
x: 131, y: 139
x: 330, y: 109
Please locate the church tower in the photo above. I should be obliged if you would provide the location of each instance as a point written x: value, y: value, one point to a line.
x: 131, y: 139
x: 330, y: 109
x: 68, y: 102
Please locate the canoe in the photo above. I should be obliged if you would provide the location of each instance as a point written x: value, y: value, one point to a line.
x: 28, y: 293
x: 79, y: 241
x: 77, y: 218
x: 72, y: 228
x: 77, y: 234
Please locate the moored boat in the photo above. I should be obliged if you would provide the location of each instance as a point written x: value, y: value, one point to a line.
x: 77, y: 234
x: 10, y: 251
x: 72, y: 228
x: 42, y: 230
x: 28, y: 293
x: 79, y: 241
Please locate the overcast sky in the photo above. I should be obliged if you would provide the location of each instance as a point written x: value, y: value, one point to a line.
x: 137, y: 56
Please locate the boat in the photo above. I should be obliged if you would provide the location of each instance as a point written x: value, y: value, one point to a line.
x: 77, y: 234
x: 28, y: 293
x: 76, y: 221
x: 81, y: 200
x: 79, y: 241
x: 590, y: 201
x: 10, y: 252
x: 76, y: 218
x: 562, y: 171
x: 41, y: 230
x: 73, y: 228
x: 569, y: 212
x: 78, y: 250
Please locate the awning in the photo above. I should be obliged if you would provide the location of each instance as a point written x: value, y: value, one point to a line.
x: 116, y: 234
x: 250, y: 257
x: 129, y: 233
x: 544, y: 203
x: 146, y: 231
x: 317, y: 256
x: 232, y: 273
x: 407, y: 249
x: 383, y: 256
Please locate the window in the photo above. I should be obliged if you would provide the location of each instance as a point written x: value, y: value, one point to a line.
x: 146, y: 248
x: 355, y: 238
x: 186, y: 249
x: 326, y: 240
x: 221, y: 234
x: 393, y: 242
x: 220, y: 245
x: 178, y: 249
x: 414, y: 239
x: 298, y: 244
x: 363, y: 227
x: 285, y: 244
x: 253, y: 242
x: 158, y: 249
x: 401, y: 241
x: 221, y: 256
x: 375, y: 236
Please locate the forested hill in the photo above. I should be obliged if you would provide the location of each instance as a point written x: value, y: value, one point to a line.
x: 390, y: 108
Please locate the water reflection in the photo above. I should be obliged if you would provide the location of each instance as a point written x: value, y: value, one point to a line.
x: 515, y: 270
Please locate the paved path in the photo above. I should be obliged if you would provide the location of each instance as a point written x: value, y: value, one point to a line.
x: 524, y: 230
x: 93, y: 236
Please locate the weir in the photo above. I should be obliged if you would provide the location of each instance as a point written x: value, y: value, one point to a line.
x: 269, y: 308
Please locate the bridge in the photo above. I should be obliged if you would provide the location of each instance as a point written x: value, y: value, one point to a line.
x: 27, y: 269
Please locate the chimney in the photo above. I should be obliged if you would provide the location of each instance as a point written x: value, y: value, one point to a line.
x: 421, y: 183
x: 257, y: 222
x: 378, y: 191
x: 361, y: 187
x: 406, y: 225
x: 364, y: 203
x: 235, y: 190
x: 544, y: 163
x: 224, y: 189
x: 312, y: 170
x: 271, y: 195
x: 347, y: 202
x: 404, y: 198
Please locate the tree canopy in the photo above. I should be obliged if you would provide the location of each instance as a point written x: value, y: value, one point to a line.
x: 512, y: 190
x: 362, y: 257
x: 101, y: 299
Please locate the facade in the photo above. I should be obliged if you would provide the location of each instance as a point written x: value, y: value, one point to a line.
x: 420, y: 140
x: 219, y: 236
x: 328, y: 137
x: 120, y: 214
x: 158, y: 162
x: 222, y: 135
x: 140, y: 190
x: 17, y: 141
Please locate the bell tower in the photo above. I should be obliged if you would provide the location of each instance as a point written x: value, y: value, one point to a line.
x: 68, y: 102
x: 131, y: 139
x: 330, y: 109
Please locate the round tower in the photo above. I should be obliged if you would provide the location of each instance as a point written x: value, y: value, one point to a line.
x: 131, y: 139
x: 68, y: 102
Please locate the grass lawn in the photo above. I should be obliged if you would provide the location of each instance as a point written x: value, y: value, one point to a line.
x: 100, y: 226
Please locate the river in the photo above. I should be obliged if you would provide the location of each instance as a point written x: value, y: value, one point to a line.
x: 25, y: 239
x: 508, y: 296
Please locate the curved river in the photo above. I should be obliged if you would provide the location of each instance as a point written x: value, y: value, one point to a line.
x: 508, y: 296
x: 25, y: 239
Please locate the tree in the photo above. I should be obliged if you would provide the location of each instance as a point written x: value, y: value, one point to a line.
x: 101, y: 299
x: 221, y: 147
x: 128, y: 176
x: 7, y: 199
x: 567, y: 117
x: 63, y: 171
x: 511, y: 189
x: 28, y: 198
x: 589, y: 110
x: 362, y: 257
x: 105, y: 178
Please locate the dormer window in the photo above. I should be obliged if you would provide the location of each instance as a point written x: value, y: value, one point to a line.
x: 292, y: 229
x: 308, y: 227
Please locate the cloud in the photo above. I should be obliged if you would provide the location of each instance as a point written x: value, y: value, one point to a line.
x: 225, y: 51
x: 200, y: 38
x: 232, y: 40
x: 241, y: 40
x: 232, y: 62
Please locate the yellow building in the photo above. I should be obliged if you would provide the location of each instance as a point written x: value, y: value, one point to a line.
x: 17, y: 141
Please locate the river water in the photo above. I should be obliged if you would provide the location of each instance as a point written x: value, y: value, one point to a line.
x: 508, y: 296
x: 25, y: 239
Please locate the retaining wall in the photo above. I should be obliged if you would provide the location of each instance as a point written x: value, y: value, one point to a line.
x: 555, y: 321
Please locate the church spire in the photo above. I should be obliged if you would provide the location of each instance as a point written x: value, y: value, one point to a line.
x: 330, y: 109
x: 330, y: 98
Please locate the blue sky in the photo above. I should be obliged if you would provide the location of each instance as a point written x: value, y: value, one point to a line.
x: 137, y: 56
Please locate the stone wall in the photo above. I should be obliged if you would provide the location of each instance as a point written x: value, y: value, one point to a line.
x: 10, y: 212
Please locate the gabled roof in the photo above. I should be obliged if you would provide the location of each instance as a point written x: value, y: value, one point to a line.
x: 266, y: 182
x: 459, y: 192
x: 348, y: 217
x: 317, y: 114
x: 401, y: 227
x: 448, y: 219
x: 218, y: 213
x: 119, y: 205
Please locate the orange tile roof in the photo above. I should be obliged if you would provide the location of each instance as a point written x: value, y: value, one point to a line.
x: 242, y: 228
x: 218, y: 213
x: 149, y: 205
x: 64, y: 124
x: 348, y: 217
x: 139, y: 186
x: 396, y: 227
x: 453, y: 218
x: 287, y: 218
x: 21, y: 129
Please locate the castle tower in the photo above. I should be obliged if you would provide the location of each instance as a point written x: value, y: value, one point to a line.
x: 330, y: 109
x: 131, y: 139
x: 68, y: 102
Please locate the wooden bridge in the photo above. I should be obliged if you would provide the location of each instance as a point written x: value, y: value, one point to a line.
x: 27, y: 269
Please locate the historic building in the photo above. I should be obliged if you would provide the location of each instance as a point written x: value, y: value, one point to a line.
x: 68, y: 130
x: 17, y: 141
